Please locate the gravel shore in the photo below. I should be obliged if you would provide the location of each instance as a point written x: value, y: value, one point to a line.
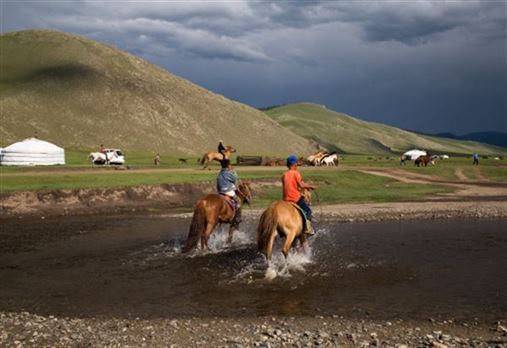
x: 25, y: 329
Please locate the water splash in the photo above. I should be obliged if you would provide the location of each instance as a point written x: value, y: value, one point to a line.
x: 283, y: 267
x: 218, y: 239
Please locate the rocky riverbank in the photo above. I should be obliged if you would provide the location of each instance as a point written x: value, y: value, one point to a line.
x: 25, y: 329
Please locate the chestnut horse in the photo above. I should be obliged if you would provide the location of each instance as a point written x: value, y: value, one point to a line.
x: 424, y: 160
x: 211, y: 210
x: 217, y: 156
x: 284, y: 219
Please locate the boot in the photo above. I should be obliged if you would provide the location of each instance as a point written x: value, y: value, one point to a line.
x: 237, y: 218
x: 309, y: 228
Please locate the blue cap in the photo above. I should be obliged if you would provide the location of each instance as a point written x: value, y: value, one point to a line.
x: 292, y: 159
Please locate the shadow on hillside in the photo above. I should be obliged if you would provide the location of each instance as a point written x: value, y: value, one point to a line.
x: 63, y: 72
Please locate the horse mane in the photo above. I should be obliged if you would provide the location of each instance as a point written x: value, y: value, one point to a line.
x: 242, y: 187
x: 265, y: 228
x: 196, y: 227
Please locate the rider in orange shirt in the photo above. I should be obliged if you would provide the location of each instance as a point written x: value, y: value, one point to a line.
x: 292, y: 183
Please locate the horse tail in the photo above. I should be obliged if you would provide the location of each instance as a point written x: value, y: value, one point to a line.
x: 266, y: 231
x: 203, y: 159
x: 196, y: 228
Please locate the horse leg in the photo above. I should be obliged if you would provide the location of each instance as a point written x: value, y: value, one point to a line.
x: 303, y: 244
x: 289, y: 238
x: 210, y: 226
x: 232, y: 228
x: 269, y: 248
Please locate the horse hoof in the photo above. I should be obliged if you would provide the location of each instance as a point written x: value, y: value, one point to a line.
x: 270, y: 274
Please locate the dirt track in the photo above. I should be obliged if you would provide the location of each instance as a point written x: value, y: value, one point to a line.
x: 466, y: 189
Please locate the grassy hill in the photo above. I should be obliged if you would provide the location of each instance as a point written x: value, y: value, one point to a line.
x: 347, y: 134
x: 79, y: 93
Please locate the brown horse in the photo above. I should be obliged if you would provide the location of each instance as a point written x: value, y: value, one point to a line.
x: 281, y: 218
x: 217, y: 156
x: 211, y: 210
x: 424, y: 160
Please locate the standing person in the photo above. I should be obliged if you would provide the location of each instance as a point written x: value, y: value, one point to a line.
x: 226, y: 185
x: 221, y: 148
x: 156, y: 160
x: 292, y: 183
x: 476, y: 159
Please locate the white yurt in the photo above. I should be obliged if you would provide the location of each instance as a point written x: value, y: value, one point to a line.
x: 32, y: 152
x: 413, y: 154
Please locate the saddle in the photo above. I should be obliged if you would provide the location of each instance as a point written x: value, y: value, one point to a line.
x: 302, y: 213
x: 228, y: 199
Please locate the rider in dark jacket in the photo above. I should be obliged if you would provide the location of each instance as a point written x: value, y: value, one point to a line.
x: 221, y: 148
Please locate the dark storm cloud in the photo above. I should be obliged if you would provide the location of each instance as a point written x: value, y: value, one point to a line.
x: 426, y: 65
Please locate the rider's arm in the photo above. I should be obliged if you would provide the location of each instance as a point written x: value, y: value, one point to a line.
x: 304, y: 185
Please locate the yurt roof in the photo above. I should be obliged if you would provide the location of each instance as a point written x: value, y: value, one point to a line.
x: 33, y: 145
x: 415, y: 152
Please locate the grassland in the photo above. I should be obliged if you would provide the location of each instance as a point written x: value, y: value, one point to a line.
x: 337, y: 185
x: 347, y: 186
x: 346, y: 134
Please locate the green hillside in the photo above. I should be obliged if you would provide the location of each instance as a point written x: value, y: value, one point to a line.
x: 79, y: 93
x: 346, y: 134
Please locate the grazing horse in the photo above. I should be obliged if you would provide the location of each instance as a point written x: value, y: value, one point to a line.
x: 329, y: 160
x: 284, y: 219
x: 217, y: 156
x: 424, y: 160
x: 211, y: 210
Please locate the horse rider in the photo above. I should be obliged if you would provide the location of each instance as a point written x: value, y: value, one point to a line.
x: 221, y: 148
x: 226, y: 185
x: 102, y: 150
x: 292, y: 183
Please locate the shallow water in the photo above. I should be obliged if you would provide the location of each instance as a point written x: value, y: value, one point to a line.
x: 132, y: 266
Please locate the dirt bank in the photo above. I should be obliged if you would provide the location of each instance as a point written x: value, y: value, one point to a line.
x: 93, y: 201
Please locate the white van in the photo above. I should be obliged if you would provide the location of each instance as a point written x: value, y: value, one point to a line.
x: 115, y: 156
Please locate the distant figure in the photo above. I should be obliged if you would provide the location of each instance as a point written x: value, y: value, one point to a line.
x: 156, y: 160
x: 221, y: 148
x: 476, y: 159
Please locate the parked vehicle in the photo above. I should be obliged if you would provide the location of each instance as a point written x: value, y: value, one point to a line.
x: 114, y: 156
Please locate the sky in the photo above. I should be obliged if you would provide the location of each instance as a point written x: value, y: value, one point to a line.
x: 429, y: 66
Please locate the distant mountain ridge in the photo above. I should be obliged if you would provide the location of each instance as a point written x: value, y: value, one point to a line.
x: 79, y: 93
x: 346, y: 134
x: 492, y: 138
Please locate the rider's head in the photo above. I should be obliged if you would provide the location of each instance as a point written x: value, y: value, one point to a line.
x: 291, y: 160
x: 225, y: 163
